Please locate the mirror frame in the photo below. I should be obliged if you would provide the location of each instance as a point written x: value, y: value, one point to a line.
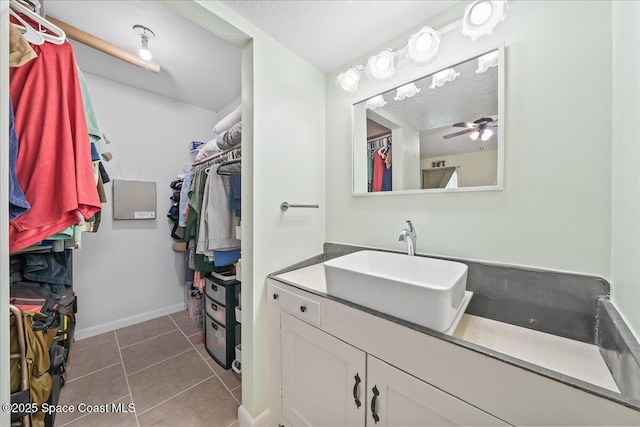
x: 499, y: 186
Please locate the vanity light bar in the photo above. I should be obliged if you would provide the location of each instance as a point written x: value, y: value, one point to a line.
x: 480, y: 19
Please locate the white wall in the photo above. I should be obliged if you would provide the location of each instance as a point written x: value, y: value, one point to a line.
x: 283, y: 160
x: 554, y: 211
x: 474, y: 169
x: 625, y: 197
x: 127, y: 272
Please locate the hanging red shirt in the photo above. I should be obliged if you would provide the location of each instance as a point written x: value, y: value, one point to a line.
x: 54, y: 165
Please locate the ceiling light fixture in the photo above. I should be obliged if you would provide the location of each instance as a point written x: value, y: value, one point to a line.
x: 423, y: 46
x: 375, y: 102
x: 406, y: 91
x: 349, y: 80
x: 145, y: 34
x: 381, y: 66
x: 482, y: 16
x: 441, y: 77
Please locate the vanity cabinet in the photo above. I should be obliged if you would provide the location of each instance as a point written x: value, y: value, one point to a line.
x: 319, y: 377
x: 326, y: 382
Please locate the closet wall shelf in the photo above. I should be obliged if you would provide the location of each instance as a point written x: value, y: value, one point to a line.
x: 90, y: 40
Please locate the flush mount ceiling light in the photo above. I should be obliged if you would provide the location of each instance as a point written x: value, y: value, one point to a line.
x: 406, y: 91
x: 145, y: 34
x: 349, y: 80
x: 423, y: 45
x: 381, y: 67
x: 487, y: 61
x: 441, y: 77
x: 482, y: 16
x: 375, y: 102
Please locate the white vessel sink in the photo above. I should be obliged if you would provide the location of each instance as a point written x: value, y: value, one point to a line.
x: 425, y: 291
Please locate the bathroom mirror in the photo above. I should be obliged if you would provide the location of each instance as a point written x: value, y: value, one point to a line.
x: 442, y: 132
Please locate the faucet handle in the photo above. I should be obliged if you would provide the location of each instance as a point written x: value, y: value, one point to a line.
x: 411, y: 229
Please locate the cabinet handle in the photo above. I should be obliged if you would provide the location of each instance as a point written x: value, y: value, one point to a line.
x: 275, y: 296
x: 356, y: 391
x: 374, y: 405
x: 214, y: 287
x: 214, y: 307
x: 303, y: 308
x: 214, y: 326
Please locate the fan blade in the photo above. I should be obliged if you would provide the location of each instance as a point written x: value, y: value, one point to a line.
x: 462, y: 132
x: 464, y: 125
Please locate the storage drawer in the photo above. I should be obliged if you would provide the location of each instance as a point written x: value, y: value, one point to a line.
x: 220, y: 341
x: 216, y: 311
x: 301, y: 307
x: 215, y: 291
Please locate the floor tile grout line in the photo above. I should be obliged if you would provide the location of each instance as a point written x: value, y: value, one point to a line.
x: 90, y: 373
x: 89, y: 413
x: 126, y: 379
x: 163, y: 360
x: 175, y: 395
x: 212, y: 370
x: 150, y: 338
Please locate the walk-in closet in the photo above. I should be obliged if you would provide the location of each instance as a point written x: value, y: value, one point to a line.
x: 125, y: 216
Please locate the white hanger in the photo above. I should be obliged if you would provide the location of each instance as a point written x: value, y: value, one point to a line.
x: 53, y: 33
x: 32, y: 36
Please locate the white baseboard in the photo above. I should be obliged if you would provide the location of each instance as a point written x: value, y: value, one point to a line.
x: 127, y: 321
x: 246, y: 420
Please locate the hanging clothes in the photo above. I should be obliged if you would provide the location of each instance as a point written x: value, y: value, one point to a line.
x: 387, y: 174
x: 18, y: 204
x: 378, y: 172
x: 54, y: 164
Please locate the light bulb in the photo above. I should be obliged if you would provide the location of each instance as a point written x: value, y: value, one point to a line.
x: 380, y: 67
x: 375, y: 102
x: 480, y: 13
x: 349, y: 80
x: 406, y: 91
x: 423, y: 46
x: 474, y: 135
x: 423, y: 42
x: 145, y: 54
x: 486, y: 134
x: 482, y: 16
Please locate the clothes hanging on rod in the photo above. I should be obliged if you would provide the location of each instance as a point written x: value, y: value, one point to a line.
x: 59, y: 189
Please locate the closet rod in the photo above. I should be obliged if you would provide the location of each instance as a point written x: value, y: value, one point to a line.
x: 215, y: 156
x: 104, y: 46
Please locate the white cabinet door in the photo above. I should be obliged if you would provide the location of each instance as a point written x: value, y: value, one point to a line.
x: 395, y: 398
x: 319, y: 385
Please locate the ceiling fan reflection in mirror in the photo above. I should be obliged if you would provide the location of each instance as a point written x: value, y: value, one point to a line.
x: 480, y: 128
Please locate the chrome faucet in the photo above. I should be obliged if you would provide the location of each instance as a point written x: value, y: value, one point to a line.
x: 409, y: 236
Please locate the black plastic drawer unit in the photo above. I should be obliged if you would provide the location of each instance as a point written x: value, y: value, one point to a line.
x: 222, y: 331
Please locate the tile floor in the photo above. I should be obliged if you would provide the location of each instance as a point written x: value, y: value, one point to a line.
x: 162, y: 367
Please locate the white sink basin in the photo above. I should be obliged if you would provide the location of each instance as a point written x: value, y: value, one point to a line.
x: 425, y: 291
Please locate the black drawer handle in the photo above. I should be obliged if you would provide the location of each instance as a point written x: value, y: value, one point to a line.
x: 213, y: 306
x: 374, y: 406
x: 275, y: 296
x: 214, y: 326
x: 303, y: 308
x: 356, y: 391
x: 214, y: 287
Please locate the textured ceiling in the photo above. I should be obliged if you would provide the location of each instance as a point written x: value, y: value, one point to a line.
x: 203, y: 70
x: 330, y: 33
x: 197, y: 67
x: 432, y: 111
